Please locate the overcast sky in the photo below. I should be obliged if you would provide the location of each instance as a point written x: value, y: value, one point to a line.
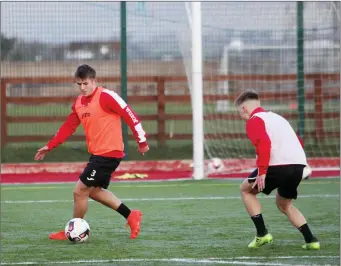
x: 62, y: 22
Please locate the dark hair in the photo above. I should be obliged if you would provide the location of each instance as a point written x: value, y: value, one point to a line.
x: 85, y: 71
x: 245, y: 96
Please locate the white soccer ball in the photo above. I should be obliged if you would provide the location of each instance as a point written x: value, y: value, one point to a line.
x: 77, y: 230
x: 307, y: 172
x: 215, y: 165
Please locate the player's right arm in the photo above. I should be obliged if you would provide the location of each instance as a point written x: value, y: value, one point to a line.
x: 256, y: 132
x: 64, y: 132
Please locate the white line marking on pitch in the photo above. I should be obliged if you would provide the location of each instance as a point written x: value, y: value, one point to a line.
x: 280, y: 257
x: 226, y: 261
x: 165, y: 199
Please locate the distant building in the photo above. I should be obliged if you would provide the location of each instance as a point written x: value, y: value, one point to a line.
x: 93, y: 50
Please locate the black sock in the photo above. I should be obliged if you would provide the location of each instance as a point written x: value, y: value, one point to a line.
x: 307, y: 234
x: 123, y: 210
x: 259, y: 223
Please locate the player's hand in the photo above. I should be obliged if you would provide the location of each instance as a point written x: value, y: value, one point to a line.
x: 260, y: 183
x: 143, y: 149
x: 41, y: 153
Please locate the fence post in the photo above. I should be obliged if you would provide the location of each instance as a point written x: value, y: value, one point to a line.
x: 124, y: 90
x: 300, y: 67
x: 318, y: 109
x: 3, y: 113
x: 161, y: 124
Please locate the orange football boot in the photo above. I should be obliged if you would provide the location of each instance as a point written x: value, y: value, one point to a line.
x: 58, y: 236
x: 134, y: 222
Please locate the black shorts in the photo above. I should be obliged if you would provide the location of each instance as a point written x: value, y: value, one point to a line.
x: 98, y: 171
x: 285, y: 178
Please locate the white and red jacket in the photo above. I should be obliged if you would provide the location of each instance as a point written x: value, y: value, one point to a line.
x: 110, y: 102
x: 275, y: 140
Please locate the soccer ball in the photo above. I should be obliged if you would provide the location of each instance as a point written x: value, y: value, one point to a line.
x: 215, y: 165
x: 306, y: 172
x: 77, y: 230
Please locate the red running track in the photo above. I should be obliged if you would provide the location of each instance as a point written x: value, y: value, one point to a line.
x: 151, y: 170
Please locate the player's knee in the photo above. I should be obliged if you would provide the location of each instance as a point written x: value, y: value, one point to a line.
x: 244, y: 187
x: 94, y: 192
x: 78, y: 194
x: 284, y: 207
x: 241, y: 188
x: 92, y: 196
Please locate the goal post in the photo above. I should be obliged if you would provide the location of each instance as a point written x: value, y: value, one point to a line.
x: 197, y: 93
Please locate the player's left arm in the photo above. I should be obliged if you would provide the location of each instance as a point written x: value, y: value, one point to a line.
x: 257, y: 134
x: 110, y: 101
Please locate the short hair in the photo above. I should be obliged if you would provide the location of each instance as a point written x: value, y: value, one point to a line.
x: 84, y: 72
x: 245, y: 96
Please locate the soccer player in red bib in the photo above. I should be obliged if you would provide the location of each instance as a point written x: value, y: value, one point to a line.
x: 280, y: 163
x: 99, y: 111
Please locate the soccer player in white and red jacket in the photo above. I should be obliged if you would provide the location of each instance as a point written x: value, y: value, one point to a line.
x: 280, y: 163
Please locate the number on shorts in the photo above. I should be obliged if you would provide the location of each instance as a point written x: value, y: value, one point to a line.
x: 93, y: 173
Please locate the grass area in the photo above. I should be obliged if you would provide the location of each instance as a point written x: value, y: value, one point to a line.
x: 174, y: 150
x: 22, y: 152
x: 150, y: 108
x: 185, y: 219
x: 77, y: 151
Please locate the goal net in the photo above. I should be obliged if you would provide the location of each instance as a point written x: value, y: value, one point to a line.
x: 255, y: 46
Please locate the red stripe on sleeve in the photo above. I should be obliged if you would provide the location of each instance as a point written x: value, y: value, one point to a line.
x: 113, y: 103
x: 256, y: 132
